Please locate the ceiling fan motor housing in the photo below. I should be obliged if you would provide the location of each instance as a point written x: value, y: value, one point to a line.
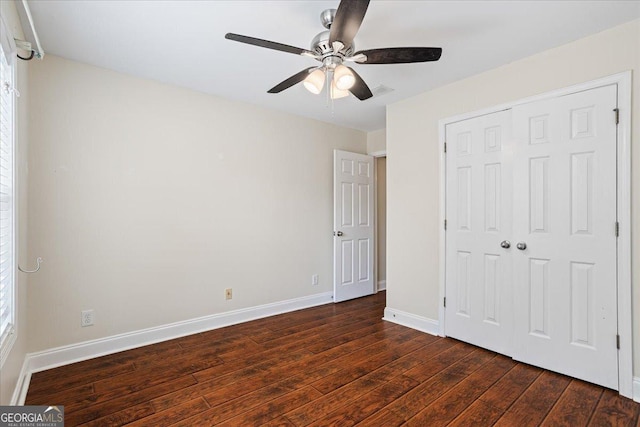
x: 320, y: 43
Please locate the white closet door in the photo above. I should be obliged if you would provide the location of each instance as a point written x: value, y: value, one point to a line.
x: 565, y: 213
x: 479, y: 211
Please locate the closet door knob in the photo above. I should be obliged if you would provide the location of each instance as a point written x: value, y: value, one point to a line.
x: 521, y: 245
x: 505, y: 244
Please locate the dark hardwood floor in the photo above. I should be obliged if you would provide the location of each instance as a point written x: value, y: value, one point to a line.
x: 330, y: 365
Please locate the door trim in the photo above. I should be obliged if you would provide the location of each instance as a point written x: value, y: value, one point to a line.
x: 623, y: 81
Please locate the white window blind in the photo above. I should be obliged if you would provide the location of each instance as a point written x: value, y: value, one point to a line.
x: 7, y: 220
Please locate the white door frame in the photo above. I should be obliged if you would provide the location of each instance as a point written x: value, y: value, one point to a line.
x: 623, y: 80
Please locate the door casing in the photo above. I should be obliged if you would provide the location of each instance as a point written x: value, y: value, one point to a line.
x: 623, y: 82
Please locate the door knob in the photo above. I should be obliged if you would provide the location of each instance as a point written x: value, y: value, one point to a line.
x: 521, y: 245
x: 338, y: 233
x: 505, y: 244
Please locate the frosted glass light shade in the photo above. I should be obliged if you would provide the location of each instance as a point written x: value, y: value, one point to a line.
x: 344, y: 78
x: 314, y: 82
x: 337, y: 93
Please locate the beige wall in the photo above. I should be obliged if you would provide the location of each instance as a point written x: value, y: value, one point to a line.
x: 12, y: 366
x: 414, y: 169
x: 381, y: 189
x: 376, y: 141
x: 147, y: 201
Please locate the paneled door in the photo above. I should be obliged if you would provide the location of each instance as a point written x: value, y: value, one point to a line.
x: 353, y: 220
x: 479, y: 212
x: 564, y: 233
x: 531, y: 240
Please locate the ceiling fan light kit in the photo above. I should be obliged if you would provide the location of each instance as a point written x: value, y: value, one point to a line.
x: 343, y: 77
x: 337, y: 93
x: 335, y: 46
x: 314, y: 82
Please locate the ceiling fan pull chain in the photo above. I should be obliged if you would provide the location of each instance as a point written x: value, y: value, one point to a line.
x: 332, y: 100
x: 329, y: 78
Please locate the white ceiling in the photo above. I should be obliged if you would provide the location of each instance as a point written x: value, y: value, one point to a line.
x: 182, y: 43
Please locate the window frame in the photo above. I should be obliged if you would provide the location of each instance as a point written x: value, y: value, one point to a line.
x: 9, y: 335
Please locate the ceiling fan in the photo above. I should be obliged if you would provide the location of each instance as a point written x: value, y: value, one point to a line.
x: 335, y: 46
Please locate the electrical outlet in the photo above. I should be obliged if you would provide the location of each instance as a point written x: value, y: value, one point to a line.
x: 314, y: 279
x: 228, y: 293
x: 87, y: 318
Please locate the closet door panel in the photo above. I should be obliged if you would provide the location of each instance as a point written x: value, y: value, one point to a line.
x: 478, y: 269
x: 565, y: 212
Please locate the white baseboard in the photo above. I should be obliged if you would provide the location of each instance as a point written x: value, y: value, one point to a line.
x: 382, y: 285
x: 52, y: 358
x: 636, y: 389
x: 22, y: 386
x: 413, y: 321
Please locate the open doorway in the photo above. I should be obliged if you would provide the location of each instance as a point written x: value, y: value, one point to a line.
x: 381, y: 223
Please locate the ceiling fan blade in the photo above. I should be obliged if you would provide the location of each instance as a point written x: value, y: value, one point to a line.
x: 347, y: 22
x: 268, y: 44
x: 400, y: 55
x: 295, y: 79
x: 360, y: 89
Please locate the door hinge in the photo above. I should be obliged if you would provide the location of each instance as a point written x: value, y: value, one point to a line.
x: 617, y: 112
x: 445, y: 147
x: 618, y: 342
x: 445, y: 302
x: 617, y: 229
x: 445, y: 224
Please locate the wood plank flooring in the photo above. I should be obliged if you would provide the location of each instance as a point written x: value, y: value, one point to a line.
x: 337, y: 364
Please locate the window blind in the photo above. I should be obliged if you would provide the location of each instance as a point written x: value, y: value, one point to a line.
x: 7, y: 222
x: 7, y: 44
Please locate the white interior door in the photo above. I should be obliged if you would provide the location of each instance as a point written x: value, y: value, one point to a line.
x: 479, y: 211
x: 543, y: 177
x: 565, y: 213
x: 353, y: 247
